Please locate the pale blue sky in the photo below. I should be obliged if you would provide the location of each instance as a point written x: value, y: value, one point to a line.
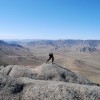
x: 49, y: 19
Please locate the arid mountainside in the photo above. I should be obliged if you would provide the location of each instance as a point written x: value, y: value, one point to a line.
x: 16, y: 54
x: 48, y: 81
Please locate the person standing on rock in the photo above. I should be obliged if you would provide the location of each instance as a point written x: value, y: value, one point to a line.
x: 50, y: 57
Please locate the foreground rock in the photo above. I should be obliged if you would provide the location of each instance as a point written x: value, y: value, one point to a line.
x: 25, y: 88
x: 52, y: 72
x: 59, y: 91
x: 9, y: 88
x: 16, y: 71
x: 46, y: 82
x: 55, y: 72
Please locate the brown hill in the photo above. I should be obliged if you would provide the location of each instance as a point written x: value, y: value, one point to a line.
x: 16, y: 54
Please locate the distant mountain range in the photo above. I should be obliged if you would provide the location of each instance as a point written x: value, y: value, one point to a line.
x: 82, y: 45
x: 3, y: 43
x: 11, y: 48
x: 68, y: 42
x: 93, y: 43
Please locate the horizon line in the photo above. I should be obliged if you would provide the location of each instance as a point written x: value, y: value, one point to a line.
x: 49, y: 39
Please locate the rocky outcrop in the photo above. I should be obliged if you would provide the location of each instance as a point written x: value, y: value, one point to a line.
x: 55, y: 72
x: 59, y: 91
x: 52, y: 72
x: 46, y: 82
x: 9, y: 88
x: 16, y: 71
x: 25, y: 88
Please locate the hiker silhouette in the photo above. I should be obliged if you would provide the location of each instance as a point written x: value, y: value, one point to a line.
x: 50, y: 57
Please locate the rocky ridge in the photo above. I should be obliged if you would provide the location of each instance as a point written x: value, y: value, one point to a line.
x: 46, y: 82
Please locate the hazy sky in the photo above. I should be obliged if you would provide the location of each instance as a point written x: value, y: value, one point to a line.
x: 49, y: 19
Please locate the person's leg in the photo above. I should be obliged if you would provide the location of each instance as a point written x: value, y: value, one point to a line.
x: 52, y: 59
x: 48, y: 59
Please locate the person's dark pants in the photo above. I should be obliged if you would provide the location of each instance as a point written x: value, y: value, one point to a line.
x: 51, y: 58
